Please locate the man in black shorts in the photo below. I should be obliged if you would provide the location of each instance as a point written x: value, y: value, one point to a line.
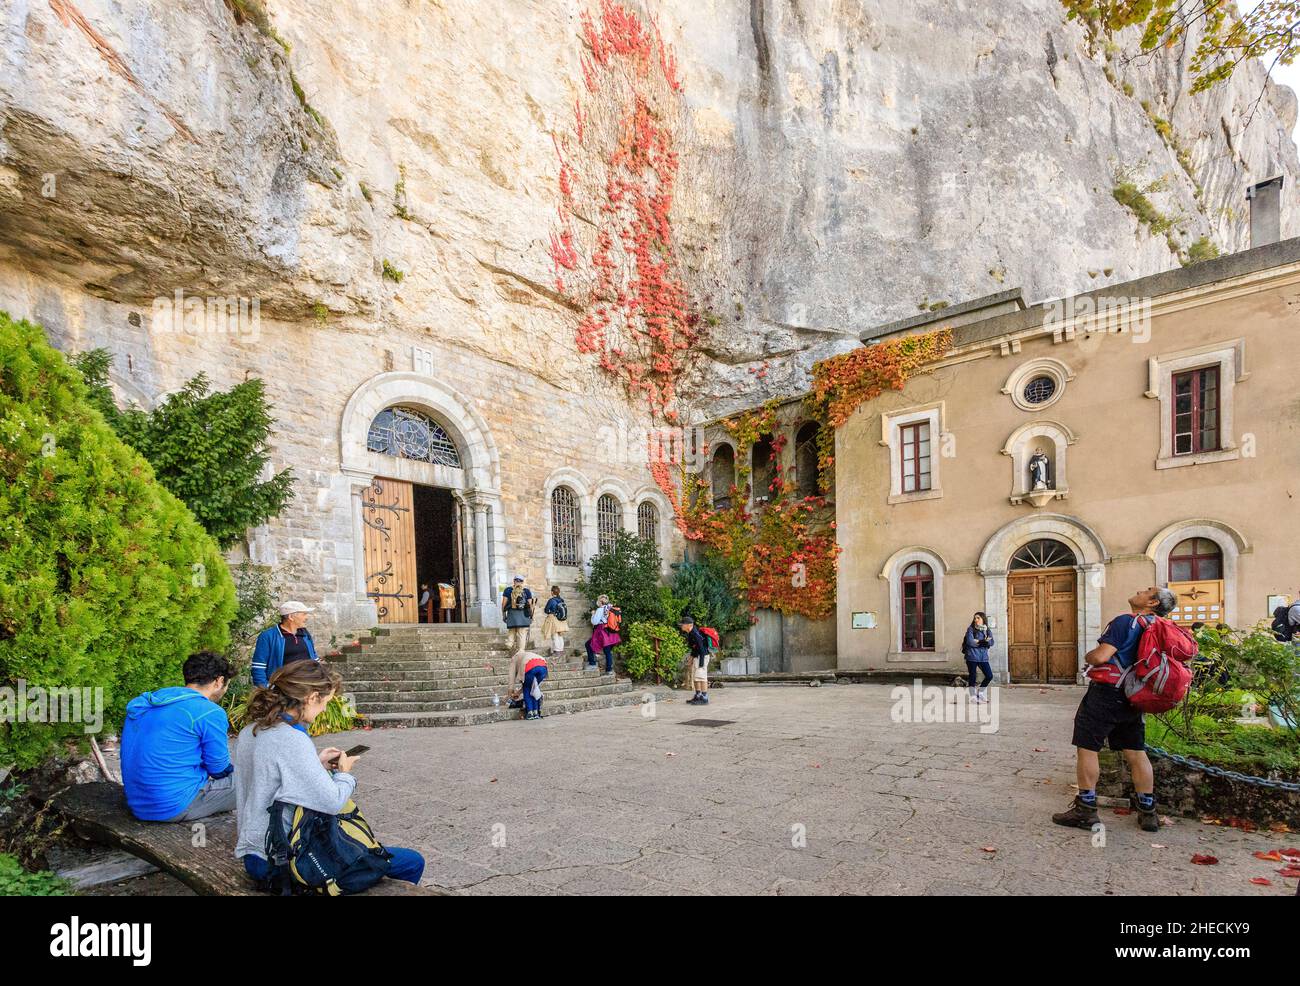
x: 1105, y: 715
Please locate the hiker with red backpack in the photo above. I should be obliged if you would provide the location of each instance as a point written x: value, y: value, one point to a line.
x: 699, y: 642
x: 1138, y: 665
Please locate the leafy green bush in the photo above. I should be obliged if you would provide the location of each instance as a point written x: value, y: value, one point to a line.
x: 629, y: 574
x: 207, y: 448
x: 638, y: 652
x: 17, y: 882
x: 1239, y: 672
x: 106, y: 580
x: 709, y: 595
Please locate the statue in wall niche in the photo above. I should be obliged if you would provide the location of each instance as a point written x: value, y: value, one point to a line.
x: 1038, y: 464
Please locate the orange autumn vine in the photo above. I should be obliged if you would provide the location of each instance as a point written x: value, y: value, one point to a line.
x: 617, y: 170
x: 843, y: 383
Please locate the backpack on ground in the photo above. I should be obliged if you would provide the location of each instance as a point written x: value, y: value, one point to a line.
x: 561, y: 611
x: 1159, y: 676
x: 311, y: 852
x: 1281, y: 625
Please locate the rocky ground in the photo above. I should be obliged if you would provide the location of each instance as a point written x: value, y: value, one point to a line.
x: 619, y: 802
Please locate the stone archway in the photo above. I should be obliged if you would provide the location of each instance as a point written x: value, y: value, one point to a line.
x: 475, y: 484
x: 995, y: 559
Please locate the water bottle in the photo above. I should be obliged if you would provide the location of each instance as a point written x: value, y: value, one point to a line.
x: 496, y: 700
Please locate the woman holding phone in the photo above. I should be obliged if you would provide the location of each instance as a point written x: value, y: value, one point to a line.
x: 275, y: 760
x: 975, y: 648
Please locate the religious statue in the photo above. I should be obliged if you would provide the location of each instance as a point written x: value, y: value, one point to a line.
x: 1038, y: 470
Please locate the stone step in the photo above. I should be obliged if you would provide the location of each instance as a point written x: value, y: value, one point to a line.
x: 415, y: 661
x: 372, y: 700
x: 381, y: 683
x: 372, y: 709
x: 420, y: 646
x: 425, y: 632
x: 478, y: 716
x: 377, y: 669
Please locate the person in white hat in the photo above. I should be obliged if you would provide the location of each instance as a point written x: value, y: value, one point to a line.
x: 287, y: 641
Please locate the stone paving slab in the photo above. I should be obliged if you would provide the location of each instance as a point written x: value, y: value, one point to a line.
x: 809, y: 791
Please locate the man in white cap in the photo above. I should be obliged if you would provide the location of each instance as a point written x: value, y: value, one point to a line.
x: 517, y: 611
x: 283, y: 643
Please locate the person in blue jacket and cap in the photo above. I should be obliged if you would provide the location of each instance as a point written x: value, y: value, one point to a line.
x: 283, y: 643
x: 175, y: 755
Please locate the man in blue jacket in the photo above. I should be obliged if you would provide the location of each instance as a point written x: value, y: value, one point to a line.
x: 283, y: 643
x: 175, y: 757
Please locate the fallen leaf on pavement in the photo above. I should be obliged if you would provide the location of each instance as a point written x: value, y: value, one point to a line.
x: 1279, y: 827
x: 1290, y: 871
x: 1122, y: 811
x: 1290, y: 853
x: 817, y: 765
x: 1260, y: 881
x: 988, y: 848
x: 1040, y: 749
x: 1200, y: 860
x: 670, y: 754
x: 1166, y: 820
x: 1157, y: 845
x: 1273, y: 856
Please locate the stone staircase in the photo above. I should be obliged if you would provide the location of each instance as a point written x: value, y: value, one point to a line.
x: 446, y: 674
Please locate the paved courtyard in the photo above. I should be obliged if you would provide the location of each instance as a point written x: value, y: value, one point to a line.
x: 616, y: 802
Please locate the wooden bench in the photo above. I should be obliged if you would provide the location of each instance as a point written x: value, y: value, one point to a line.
x: 98, y: 812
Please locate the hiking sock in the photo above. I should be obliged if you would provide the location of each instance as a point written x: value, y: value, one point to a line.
x: 1088, y: 797
x: 1147, y: 802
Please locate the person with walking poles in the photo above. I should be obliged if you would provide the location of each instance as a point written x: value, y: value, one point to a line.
x: 517, y: 612
x: 975, y: 648
x: 1106, y: 716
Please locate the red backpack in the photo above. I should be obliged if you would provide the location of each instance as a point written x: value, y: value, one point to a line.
x: 1159, y: 677
x: 712, y: 634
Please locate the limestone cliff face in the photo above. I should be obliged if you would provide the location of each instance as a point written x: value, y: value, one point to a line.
x: 845, y: 163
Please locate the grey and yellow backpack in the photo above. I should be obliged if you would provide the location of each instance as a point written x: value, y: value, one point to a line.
x: 311, y: 852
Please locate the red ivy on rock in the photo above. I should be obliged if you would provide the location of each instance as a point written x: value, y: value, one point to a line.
x: 617, y: 170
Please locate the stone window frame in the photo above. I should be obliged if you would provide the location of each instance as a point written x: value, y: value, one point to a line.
x: 1231, y: 544
x: 1230, y: 358
x: 1042, y: 366
x: 892, y: 573
x: 891, y: 423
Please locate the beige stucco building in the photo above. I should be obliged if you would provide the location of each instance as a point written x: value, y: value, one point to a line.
x: 1165, y: 414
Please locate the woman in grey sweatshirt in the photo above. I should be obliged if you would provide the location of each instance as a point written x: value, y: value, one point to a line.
x: 275, y: 760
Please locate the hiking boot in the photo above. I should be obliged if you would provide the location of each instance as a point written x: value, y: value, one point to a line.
x: 1148, y: 821
x: 1081, y: 815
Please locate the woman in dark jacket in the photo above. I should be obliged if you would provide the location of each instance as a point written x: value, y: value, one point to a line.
x: 975, y: 648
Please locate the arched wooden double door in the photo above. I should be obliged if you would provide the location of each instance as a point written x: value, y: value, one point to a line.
x: 1042, y: 614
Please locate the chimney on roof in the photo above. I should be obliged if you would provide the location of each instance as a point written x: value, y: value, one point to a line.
x: 1265, y: 201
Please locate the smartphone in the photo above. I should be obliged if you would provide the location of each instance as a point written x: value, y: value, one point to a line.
x: 356, y: 751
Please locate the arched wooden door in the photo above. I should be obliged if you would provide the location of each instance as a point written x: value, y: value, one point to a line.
x: 387, y: 512
x: 1042, y: 614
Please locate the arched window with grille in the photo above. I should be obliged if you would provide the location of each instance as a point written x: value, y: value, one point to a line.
x: 805, y: 459
x: 609, y: 521
x: 647, y: 522
x: 917, y: 591
x: 410, y: 434
x: 763, y: 462
x: 724, y: 476
x: 566, y: 527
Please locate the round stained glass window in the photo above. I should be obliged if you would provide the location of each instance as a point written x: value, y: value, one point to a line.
x: 1039, y: 389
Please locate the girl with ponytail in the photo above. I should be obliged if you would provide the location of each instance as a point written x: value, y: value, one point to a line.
x: 275, y: 760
